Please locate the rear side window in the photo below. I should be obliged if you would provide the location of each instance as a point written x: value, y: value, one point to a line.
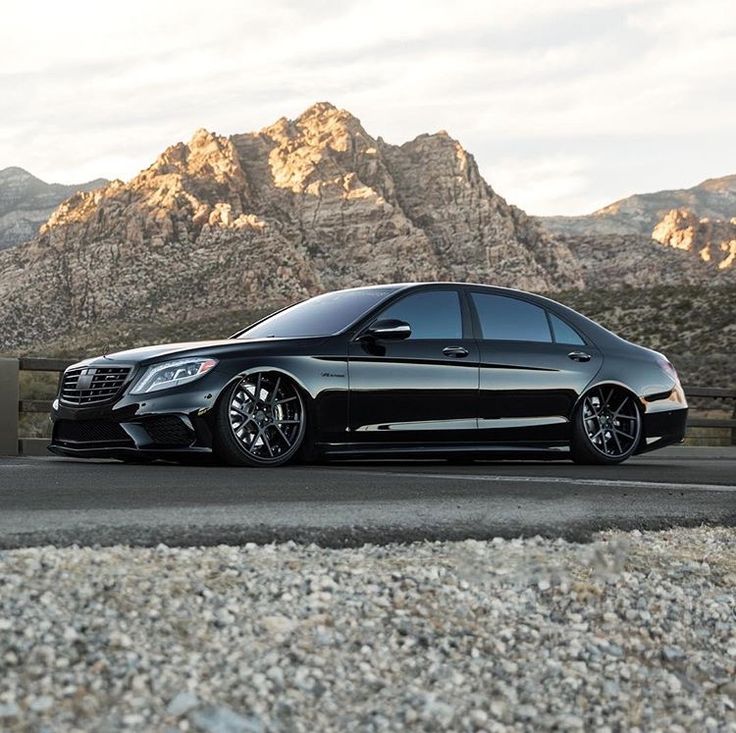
x: 433, y: 314
x: 565, y: 334
x: 510, y: 319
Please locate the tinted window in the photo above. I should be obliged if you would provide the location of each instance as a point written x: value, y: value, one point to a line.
x: 564, y: 334
x: 433, y: 314
x: 323, y: 315
x: 509, y: 319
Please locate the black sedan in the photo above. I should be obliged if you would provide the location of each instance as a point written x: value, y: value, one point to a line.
x: 409, y: 370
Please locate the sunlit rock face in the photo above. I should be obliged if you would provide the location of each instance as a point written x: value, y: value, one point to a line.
x: 713, y: 241
x: 302, y: 206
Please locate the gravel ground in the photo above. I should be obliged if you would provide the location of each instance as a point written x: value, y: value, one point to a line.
x: 636, y: 631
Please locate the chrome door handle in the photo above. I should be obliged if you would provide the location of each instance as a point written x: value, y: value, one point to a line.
x: 457, y: 351
x: 579, y: 356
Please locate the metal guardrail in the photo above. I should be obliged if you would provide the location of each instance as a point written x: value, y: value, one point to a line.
x: 12, y: 406
x: 711, y: 422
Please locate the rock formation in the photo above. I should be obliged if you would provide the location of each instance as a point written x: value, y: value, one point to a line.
x: 264, y: 218
x: 713, y: 241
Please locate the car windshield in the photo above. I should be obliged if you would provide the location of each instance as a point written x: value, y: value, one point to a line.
x: 323, y: 315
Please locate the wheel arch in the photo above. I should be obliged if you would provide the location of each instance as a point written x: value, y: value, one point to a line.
x: 265, y: 368
x: 595, y: 384
x: 312, y: 429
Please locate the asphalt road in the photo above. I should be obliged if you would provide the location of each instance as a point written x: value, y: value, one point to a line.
x: 63, y: 501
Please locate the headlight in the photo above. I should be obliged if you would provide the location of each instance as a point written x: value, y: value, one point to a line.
x: 172, y: 374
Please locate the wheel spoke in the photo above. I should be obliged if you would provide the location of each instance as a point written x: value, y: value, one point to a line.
x: 283, y: 435
x: 618, y: 443
x: 266, y: 441
x: 258, y: 389
x: 607, y: 400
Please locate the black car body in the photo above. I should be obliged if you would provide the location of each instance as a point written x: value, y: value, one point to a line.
x: 431, y: 369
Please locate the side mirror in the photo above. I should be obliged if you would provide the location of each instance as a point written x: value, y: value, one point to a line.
x: 389, y: 330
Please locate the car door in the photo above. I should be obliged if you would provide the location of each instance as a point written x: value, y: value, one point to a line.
x: 533, y: 367
x: 423, y: 388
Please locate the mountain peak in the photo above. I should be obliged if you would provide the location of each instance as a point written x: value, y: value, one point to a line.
x: 201, y: 137
x: 326, y: 115
x: 321, y: 108
x: 17, y: 175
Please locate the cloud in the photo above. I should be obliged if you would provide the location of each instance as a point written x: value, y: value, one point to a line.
x: 547, y: 185
x: 94, y: 88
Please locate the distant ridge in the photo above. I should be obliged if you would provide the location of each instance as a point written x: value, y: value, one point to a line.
x: 699, y: 222
x: 26, y: 202
x: 714, y: 198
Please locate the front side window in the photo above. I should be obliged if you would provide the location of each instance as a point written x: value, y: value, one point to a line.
x: 323, y: 315
x: 432, y: 314
x: 510, y: 319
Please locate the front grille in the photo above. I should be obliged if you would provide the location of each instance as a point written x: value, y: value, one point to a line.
x: 90, y: 431
x: 84, y: 386
x: 168, y: 430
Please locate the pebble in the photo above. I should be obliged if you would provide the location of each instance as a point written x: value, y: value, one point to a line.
x: 182, y: 703
x: 505, y: 635
x: 9, y: 710
x: 221, y: 719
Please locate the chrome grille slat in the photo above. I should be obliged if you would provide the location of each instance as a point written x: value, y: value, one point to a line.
x: 92, y: 385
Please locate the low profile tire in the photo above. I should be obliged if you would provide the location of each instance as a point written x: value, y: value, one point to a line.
x: 607, y: 426
x: 260, y: 421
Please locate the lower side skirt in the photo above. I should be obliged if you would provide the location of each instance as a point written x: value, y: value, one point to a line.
x: 558, y: 452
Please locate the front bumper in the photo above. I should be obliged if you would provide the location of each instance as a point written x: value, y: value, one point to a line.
x: 172, y: 423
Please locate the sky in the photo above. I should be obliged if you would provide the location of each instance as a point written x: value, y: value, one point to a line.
x: 567, y: 105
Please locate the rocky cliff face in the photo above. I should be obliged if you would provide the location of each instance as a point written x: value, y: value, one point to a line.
x: 26, y: 203
x: 261, y: 218
x: 713, y: 241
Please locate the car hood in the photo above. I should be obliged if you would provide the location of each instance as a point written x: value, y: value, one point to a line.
x: 186, y: 348
x: 143, y: 353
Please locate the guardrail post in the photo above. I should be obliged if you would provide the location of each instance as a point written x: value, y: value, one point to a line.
x: 9, y: 397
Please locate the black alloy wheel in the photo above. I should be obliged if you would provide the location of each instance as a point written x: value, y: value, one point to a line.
x: 260, y: 421
x: 607, y: 426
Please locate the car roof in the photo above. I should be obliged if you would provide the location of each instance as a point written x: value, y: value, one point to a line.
x: 422, y: 283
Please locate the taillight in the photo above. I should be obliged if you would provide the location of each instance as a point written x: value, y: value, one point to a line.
x: 667, y: 367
